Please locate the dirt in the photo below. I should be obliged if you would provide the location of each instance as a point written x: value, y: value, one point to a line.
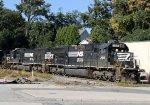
x: 77, y: 82
x: 66, y: 81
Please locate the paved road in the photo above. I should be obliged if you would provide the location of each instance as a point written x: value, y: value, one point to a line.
x: 38, y: 94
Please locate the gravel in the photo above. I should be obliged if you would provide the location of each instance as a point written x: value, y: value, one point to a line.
x: 75, y: 82
x: 65, y: 81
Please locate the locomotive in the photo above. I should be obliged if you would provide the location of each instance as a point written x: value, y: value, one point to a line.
x: 107, y: 61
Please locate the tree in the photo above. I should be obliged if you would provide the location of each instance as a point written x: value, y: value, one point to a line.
x: 33, y: 10
x: 141, y: 19
x: 137, y: 35
x: 136, y: 5
x: 120, y: 7
x: 97, y: 14
x: 1, y: 5
x: 67, y: 35
x: 98, y: 34
x: 69, y: 18
x: 73, y: 18
x: 40, y: 34
x: 129, y: 16
x: 121, y: 24
x: 97, y: 18
x: 60, y: 20
x: 11, y: 30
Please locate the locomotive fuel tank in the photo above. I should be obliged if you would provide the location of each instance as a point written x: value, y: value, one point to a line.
x: 80, y: 72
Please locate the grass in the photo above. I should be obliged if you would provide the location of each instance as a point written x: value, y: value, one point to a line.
x: 131, y: 84
x: 4, y: 73
x: 12, y: 74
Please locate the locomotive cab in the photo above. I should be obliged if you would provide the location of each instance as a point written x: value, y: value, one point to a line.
x: 16, y: 56
x: 115, y: 52
x: 121, y: 55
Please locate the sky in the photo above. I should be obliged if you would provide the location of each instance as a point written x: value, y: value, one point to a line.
x: 65, y: 5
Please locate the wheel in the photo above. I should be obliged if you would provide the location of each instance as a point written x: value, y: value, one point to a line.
x: 64, y: 74
x: 95, y: 76
x: 113, y: 79
x: 101, y: 77
x: 104, y: 78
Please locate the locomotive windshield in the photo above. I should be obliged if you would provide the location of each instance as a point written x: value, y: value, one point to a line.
x: 119, y: 47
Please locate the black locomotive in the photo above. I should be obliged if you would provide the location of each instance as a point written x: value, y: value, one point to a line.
x: 107, y: 61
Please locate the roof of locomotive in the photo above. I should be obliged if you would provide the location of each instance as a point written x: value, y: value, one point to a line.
x: 110, y: 45
x: 105, y: 45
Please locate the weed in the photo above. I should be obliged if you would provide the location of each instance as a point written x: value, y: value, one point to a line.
x: 15, y: 74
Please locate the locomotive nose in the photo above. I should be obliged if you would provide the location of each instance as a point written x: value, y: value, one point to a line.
x: 124, y: 56
x: 125, y: 59
x: 126, y: 66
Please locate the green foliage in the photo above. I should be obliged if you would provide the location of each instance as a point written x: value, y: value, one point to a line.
x: 97, y: 14
x: 66, y: 19
x: 136, y: 5
x: 121, y: 25
x: 33, y: 9
x: 97, y: 18
x: 137, y: 35
x: 11, y: 30
x: 67, y: 35
x: 120, y: 7
x: 99, y: 34
x: 129, y: 16
x: 39, y: 31
x: 1, y: 5
x: 141, y: 19
x: 62, y: 20
x: 40, y: 35
x: 100, y: 9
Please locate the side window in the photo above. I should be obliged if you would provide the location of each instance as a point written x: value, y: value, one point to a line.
x: 96, y: 50
x: 99, y: 50
x: 88, y: 47
x: 109, y: 57
x: 15, y: 54
x: 103, y: 51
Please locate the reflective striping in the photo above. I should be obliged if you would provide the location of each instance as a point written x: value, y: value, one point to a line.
x: 75, y: 54
x: 28, y: 54
x: 79, y: 59
x: 124, y: 56
x: 48, y: 55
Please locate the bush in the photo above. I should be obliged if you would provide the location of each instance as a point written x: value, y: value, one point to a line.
x: 138, y: 35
